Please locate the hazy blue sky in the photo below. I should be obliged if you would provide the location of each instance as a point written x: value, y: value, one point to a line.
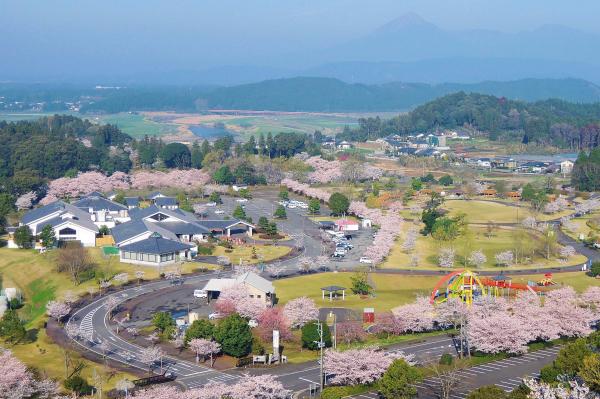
x: 57, y: 38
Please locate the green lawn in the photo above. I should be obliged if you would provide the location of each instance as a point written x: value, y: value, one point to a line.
x: 485, y: 211
x: 266, y: 252
x: 36, y: 277
x: 391, y: 290
x: 476, y: 239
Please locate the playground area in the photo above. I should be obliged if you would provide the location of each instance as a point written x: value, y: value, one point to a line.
x: 468, y: 286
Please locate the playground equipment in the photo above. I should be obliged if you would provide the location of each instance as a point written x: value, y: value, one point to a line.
x: 466, y: 285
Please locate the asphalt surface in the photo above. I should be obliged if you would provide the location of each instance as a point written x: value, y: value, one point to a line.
x: 506, y: 374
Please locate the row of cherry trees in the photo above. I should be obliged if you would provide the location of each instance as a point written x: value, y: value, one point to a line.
x: 263, y: 386
x: 306, y: 189
x: 389, y: 222
x: 86, y: 182
x: 500, y: 325
x: 351, y: 170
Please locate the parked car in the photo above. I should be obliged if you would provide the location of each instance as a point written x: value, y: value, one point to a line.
x: 200, y: 294
x: 219, y: 212
x: 214, y: 316
x: 340, y: 251
x: 337, y: 255
x: 211, y: 204
x: 242, y: 200
x: 366, y: 260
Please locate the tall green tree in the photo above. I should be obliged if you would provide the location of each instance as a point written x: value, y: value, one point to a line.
x: 197, y: 156
x: 233, y: 333
x: 314, y: 206
x: 200, y: 328
x: 239, y: 213
x: 338, y: 203
x: 398, y: 382
x: 12, y: 328
x: 47, y: 236
x: 23, y: 237
x: 310, y: 336
x: 176, y: 155
x: 280, y: 212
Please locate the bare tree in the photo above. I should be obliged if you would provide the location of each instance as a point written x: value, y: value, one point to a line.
x: 74, y: 259
x: 447, y: 377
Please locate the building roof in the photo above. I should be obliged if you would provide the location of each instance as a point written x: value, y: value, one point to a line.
x: 126, y: 231
x: 157, y: 245
x: 333, y: 288
x: 85, y: 223
x: 132, y: 201
x: 249, y: 278
x: 346, y: 222
x: 155, y: 194
x: 183, y: 228
x: 137, y: 214
x: 56, y: 207
x: 98, y: 203
x: 93, y: 194
x: 165, y: 201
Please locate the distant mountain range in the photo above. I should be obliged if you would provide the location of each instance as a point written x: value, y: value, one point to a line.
x: 333, y: 95
x: 410, y: 49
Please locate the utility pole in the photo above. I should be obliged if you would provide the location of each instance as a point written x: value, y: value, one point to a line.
x: 321, y: 345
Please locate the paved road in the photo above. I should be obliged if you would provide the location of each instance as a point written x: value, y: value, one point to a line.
x: 507, y: 374
x: 95, y: 329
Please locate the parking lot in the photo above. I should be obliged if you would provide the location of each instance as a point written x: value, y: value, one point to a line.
x: 304, y: 232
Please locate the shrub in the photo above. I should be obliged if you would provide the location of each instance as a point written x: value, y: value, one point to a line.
x: 487, y: 392
x: 595, y: 269
x: 446, y: 359
x: 78, y: 385
x: 342, y: 392
x: 205, y: 249
x: 200, y: 329
x: 310, y: 334
x: 549, y: 373
x: 398, y: 381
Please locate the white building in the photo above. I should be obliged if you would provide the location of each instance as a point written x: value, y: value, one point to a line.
x: 257, y: 286
x: 566, y: 167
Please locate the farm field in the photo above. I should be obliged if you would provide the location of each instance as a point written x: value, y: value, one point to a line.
x: 137, y: 125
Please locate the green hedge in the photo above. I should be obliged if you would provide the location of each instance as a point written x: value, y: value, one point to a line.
x: 340, y: 392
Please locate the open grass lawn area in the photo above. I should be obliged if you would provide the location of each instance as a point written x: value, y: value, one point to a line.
x: 582, y: 226
x: 485, y: 211
x: 137, y: 125
x: 476, y: 239
x: 35, y: 275
x: 263, y: 252
x: 391, y: 290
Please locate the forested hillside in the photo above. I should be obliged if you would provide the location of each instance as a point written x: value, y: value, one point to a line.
x: 550, y: 122
x: 52, y: 147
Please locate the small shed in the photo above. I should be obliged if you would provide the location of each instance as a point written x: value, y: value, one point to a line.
x: 369, y: 315
x: 333, y: 291
x: 346, y: 225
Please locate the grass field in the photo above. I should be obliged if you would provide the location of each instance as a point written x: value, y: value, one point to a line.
x: 35, y: 276
x: 502, y: 239
x: 393, y: 290
x: 485, y: 211
x: 264, y: 252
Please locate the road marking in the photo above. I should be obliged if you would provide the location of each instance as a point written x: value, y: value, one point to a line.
x: 307, y: 380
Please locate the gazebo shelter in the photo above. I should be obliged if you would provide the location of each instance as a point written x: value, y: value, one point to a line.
x: 333, y: 291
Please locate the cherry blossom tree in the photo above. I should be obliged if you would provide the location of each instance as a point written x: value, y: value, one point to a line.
x: 236, y: 298
x: 26, y: 200
x: 541, y: 390
x: 300, y: 311
x: 151, y: 355
x: 446, y: 257
x: 263, y: 386
x: 72, y: 330
x: 305, y: 265
x: 504, y: 258
x: 274, y: 270
x: 204, y: 347
x: 350, y: 331
x: 415, y: 317
x: 273, y: 319
x: 485, y: 335
x: 17, y: 382
x: 529, y: 222
x: 567, y: 251
x: 359, y: 366
x: 410, y: 241
x: 477, y: 258
x: 69, y: 297
x: 387, y: 323
x: 57, y: 310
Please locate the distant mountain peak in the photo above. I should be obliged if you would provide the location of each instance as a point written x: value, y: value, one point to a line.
x: 409, y: 20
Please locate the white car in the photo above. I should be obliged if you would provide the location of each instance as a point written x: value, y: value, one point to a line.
x: 211, y: 204
x: 242, y: 200
x: 366, y: 260
x: 219, y: 212
x: 200, y: 294
x: 214, y: 316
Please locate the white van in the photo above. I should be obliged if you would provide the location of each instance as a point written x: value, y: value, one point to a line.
x: 200, y: 294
